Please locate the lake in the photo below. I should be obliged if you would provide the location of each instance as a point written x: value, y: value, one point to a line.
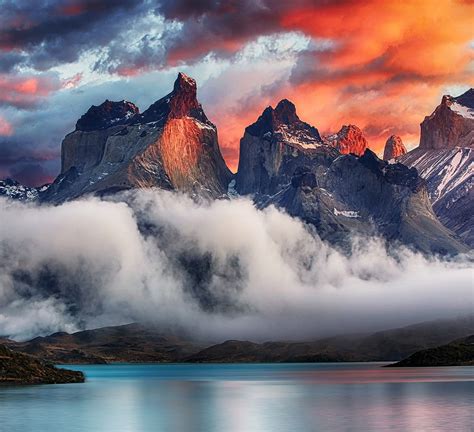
x: 246, y: 397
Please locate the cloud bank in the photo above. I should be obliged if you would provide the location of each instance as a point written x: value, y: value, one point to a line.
x: 220, y: 270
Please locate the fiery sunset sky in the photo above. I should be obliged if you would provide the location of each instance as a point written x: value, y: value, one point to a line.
x: 382, y: 65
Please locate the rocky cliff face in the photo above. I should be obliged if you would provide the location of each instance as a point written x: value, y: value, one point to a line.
x: 393, y: 148
x: 171, y: 145
x: 366, y: 195
x: 451, y: 124
x: 284, y: 162
x: 350, y: 139
x: 445, y: 159
x: 274, y: 146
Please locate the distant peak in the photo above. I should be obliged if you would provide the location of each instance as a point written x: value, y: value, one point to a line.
x: 394, y: 148
x: 349, y: 139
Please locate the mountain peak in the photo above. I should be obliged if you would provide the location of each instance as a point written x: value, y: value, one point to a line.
x: 272, y: 119
x: 107, y: 114
x: 183, y: 100
x: 184, y: 83
x: 349, y: 139
x: 451, y: 124
x: 285, y: 112
x: 393, y: 148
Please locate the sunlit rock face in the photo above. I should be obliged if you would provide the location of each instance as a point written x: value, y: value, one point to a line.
x: 274, y: 146
x: 451, y: 124
x: 445, y: 159
x: 393, y: 148
x: 171, y: 145
x: 350, y: 139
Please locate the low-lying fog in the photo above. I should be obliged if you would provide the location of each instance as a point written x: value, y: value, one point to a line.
x: 221, y: 270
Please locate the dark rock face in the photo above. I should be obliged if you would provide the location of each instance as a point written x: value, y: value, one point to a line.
x: 350, y: 139
x: 171, y: 145
x: 393, y: 148
x: 451, y: 124
x: 106, y: 115
x: 274, y: 146
x: 17, y: 368
x: 366, y: 195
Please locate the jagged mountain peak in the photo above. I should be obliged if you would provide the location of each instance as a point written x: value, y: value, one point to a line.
x: 283, y: 120
x: 181, y: 102
x: 394, y: 148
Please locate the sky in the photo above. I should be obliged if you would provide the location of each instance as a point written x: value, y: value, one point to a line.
x: 382, y: 66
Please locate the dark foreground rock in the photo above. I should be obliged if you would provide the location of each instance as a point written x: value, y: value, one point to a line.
x: 456, y: 353
x: 18, y: 368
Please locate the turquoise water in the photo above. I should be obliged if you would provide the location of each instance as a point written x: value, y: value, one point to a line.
x: 247, y: 398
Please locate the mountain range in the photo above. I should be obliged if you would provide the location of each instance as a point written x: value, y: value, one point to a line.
x: 334, y: 183
x: 145, y: 343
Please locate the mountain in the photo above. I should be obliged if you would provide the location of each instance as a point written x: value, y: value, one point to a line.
x: 336, y: 183
x: 284, y: 162
x: 18, y: 368
x: 393, y: 344
x: 393, y: 148
x: 126, y: 343
x: 274, y: 146
x: 350, y: 139
x: 457, y: 353
x: 12, y: 189
x: 139, y: 343
x: 451, y: 124
x: 445, y: 159
x: 172, y: 145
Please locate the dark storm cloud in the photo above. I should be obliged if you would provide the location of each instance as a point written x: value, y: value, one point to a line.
x: 56, y: 32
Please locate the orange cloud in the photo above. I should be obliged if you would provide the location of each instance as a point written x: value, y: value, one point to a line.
x: 389, y: 66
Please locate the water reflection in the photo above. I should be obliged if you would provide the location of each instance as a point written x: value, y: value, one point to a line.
x: 235, y: 398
